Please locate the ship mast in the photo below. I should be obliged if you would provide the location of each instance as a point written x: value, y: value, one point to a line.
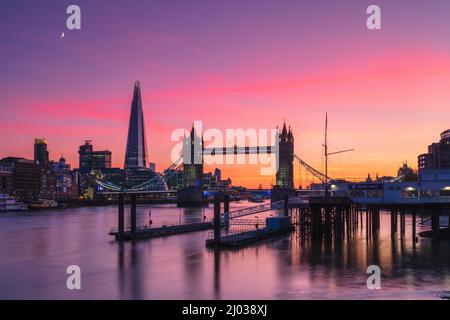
x: 327, y: 191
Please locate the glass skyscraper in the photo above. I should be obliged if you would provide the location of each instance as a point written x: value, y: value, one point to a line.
x: 136, y: 155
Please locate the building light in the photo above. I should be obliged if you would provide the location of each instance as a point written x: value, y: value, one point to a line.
x: 410, y: 189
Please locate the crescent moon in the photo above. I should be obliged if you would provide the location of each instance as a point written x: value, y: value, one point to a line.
x: 62, y: 34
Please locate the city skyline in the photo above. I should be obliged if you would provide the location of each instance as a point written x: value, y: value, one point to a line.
x: 232, y: 156
x: 374, y: 85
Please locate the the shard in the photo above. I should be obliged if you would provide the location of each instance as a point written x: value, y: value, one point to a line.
x: 136, y: 155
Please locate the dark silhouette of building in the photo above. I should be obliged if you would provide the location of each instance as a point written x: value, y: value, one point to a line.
x: 47, y: 189
x: 6, y: 181
x: 218, y: 174
x: 136, y: 155
x: 85, y: 156
x: 407, y: 173
x: 438, y: 156
x: 93, y: 160
x: 285, y: 173
x: 25, y: 178
x: 193, y: 160
x: 66, y: 181
x: 101, y: 160
x: 41, y: 152
x: 113, y: 175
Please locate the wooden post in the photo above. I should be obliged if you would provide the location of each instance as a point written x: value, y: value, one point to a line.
x: 367, y: 223
x: 217, y: 201
x: 226, y: 203
x: 375, y: 222
x: 395, y: 221
x: 348, y: 222
x: 133, y: 216
x: 392, y: 223
x: 361, y: 213
x: 327, y: 226
x: 286, y: 205
x: 121, y: 217
x: 402, y: 224
x: 226, y: 210
x: 414, y: 226
x: 337, y: 223
x: 316, y: 222
x: 448, y: 224
x: 435, y: 222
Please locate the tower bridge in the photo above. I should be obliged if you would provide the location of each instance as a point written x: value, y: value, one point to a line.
x: 140, y: 179
x: 190, y: 164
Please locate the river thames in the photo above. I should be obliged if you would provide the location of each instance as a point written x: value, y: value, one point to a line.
x: 37, y: 247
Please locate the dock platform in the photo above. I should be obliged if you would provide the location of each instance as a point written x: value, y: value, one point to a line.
x: 161, y: 231
x: 244, y: 238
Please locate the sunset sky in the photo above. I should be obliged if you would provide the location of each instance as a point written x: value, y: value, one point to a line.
x: 231, y: 64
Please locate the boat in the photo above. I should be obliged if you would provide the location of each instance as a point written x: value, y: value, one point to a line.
x: 44, y: 204
x: 9, y: 203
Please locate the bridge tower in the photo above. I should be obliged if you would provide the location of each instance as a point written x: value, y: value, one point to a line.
x: 285, y: 174
x: 193, y: 160
x: 192, y: 192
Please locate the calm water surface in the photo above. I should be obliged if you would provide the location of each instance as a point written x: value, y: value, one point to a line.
x: 36, y: 248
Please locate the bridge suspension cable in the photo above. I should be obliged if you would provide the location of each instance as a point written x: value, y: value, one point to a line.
x: 316, y: 173
x: 158, y: 182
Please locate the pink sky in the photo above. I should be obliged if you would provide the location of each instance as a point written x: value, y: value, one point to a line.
x: 386, y: 92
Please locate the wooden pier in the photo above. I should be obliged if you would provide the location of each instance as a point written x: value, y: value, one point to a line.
x: 146, y: 232
x: 162, y: 231
x: 315, y: 217
x: 244, y: 238
x: 274, y: 226
x: 340, y: 217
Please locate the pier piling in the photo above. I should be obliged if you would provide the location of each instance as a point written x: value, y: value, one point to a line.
x: 121, y: 217
x: 435, y: 222
x: 414, y: 213
x: 393, y: 225
x: 226, y: 203
x: 133, y: 215
x: 217, y: 202
x: 286, y: 205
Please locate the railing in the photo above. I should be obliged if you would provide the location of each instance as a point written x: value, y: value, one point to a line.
x: 157, y: 225
x: 254, y: 222
x: 256, y: 209
x: 239, y: 233
x: 382, y: 200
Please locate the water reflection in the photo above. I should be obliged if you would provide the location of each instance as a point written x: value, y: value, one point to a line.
x: 35, y: 250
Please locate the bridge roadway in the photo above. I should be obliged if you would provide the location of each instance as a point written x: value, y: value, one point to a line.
x: 142, y: 192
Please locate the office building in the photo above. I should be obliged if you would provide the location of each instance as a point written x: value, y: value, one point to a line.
x: 136, y: 154
x: 25, y: 177
x: 41, y: 152
x: 438, y: 155
x: 93, y: 160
